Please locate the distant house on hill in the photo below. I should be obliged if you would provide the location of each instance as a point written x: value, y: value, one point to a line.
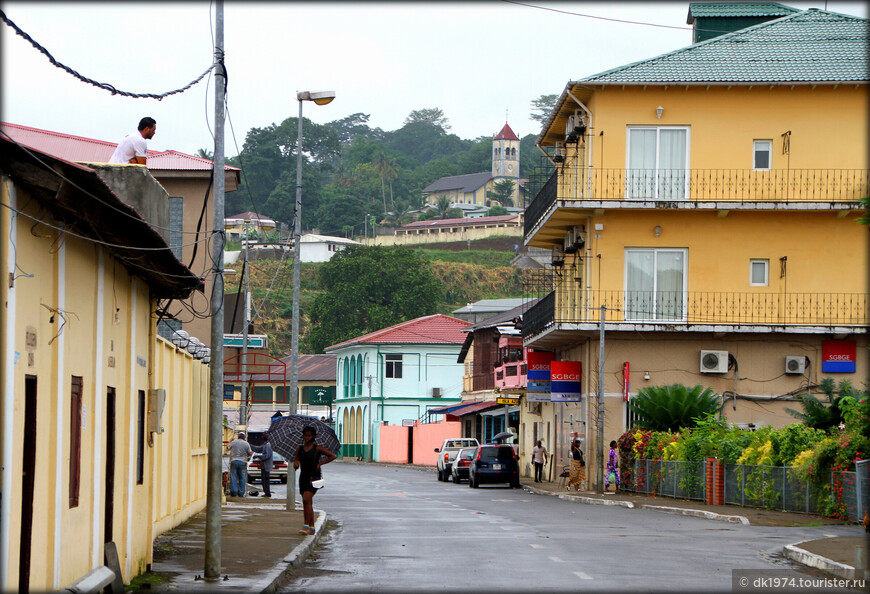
x: 235, y: 225
x: 439, y: 226
x: 475, y: 188
x: 321, y: 248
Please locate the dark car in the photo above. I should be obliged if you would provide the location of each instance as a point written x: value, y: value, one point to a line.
x: 461, y: 463
x: 494, y: 463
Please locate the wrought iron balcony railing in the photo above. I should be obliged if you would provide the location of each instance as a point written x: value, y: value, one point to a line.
x: 699, y: 185
x: 698, y: 308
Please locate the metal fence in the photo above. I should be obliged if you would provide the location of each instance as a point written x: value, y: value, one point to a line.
x: 767, y: 487
x: 668, y: 478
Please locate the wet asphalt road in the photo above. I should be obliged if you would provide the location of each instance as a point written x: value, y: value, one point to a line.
x: 399, y: 529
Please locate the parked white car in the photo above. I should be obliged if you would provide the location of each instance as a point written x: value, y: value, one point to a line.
x: 447, y: 452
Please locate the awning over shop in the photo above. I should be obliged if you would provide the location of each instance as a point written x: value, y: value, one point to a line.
x: 475, y: 407
x: 500, y: 410
x: 445, y: 409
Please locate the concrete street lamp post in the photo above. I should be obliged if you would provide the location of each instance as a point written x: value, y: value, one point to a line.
x: 319, y: 98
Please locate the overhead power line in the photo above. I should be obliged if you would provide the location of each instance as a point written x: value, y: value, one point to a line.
x: 591, y: 16
x: 104, y: 86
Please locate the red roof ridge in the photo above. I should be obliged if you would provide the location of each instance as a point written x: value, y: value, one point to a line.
x: 429, y: 338
x: 506, y: 133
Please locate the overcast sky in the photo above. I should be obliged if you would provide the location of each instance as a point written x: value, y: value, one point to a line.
x: 477, y: 61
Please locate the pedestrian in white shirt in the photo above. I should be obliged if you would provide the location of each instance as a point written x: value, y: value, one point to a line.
x: 133, y: 149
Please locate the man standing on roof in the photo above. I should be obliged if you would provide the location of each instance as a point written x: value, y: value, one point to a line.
x: 133, y: 148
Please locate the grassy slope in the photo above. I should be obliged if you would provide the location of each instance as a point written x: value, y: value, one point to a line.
x: 467, y: 276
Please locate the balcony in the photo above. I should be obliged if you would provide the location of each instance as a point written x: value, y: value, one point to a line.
x: 511, y: 375
x: 673, y: 188
x: 698, y: 311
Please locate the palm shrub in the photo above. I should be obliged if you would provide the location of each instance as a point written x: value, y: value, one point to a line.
x: 671, y: 408
x: 821, y: 415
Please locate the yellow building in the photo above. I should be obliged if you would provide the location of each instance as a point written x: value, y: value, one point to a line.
x: 708, y: 199
x: 103, y: 422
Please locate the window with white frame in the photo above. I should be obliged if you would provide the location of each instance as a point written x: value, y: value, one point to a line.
x: 657, y: 163
x: 393, y: 366
x: 759, y: 273
x: 655, y: 284
x: 762, y: 150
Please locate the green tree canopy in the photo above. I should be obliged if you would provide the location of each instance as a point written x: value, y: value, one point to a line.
x: 432, y: 116
x: 542, y: 107
x: 502, y: 192
x: 368, y: 288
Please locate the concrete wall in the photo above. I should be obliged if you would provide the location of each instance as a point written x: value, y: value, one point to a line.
x: 135, y: 185
x: 438, y: 236
x: 429, y: 436
x: 393, y: 444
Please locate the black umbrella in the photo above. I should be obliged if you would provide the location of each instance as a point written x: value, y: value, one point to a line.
x: 285, y: 434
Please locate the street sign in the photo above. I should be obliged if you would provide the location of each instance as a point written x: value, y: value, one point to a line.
x: 407, y: 422
x: 318, y: 395
x: 255, y: 341
x: 507, y: 400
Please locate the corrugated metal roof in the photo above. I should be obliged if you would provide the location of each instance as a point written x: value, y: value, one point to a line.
x: 78, y: 149
x: 131, y: 239
x: 464, y: 183
x: 312, y: 368
x: 809, y: 46
x: 314, y: 238
x: 506, y: 134
x: 464, y: 221
x: 434, y: 329
x: 250, y: 216
x: 738, y: 9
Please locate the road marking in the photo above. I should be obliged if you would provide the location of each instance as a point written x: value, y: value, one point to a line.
x: 536, y: 546
x: 583, y: 576
x: 556, y: 560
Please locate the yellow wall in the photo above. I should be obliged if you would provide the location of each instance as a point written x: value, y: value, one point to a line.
x: 828, y: 125
x: 107, y: 341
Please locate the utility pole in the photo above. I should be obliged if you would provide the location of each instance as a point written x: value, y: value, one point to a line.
x: 243, y: 407
x: 214, y: 493
x: 600, y: 440
x: 370, y: 418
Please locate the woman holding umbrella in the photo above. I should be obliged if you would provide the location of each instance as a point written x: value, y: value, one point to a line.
x: 308, y: 458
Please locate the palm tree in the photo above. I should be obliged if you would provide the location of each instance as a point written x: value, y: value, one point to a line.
x: 670, y: 408
x: 443, y: 206
x: 387, y: 169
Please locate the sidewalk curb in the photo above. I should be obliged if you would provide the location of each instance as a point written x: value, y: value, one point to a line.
x: 698, y: 513
x: 804, y: 557
x: 580, y: 498
x: 275, y: 578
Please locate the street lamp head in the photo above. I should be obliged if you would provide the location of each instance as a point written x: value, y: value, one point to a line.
x: 318, y: 97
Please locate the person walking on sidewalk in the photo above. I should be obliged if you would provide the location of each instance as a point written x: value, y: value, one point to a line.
x: 240, y: 451
x: 612, y: 471
x: 578, y: 466
x: 266, y: 456
x: 308, y: 457
x: 539, y: 458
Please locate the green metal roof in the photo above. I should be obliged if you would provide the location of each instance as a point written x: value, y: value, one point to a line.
x: 738, y: 9
x: 808, y: 46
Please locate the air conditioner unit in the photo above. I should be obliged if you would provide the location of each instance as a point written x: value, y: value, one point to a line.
x: 579, y: 236
x: 795, y: 365
x: 569, y: 243
x: 436, y: 392
x: 559, y: 155
x: 570, y: 131
x: 714, y: 361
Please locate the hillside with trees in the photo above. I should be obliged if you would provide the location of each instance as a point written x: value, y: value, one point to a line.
x: 353, y: 174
